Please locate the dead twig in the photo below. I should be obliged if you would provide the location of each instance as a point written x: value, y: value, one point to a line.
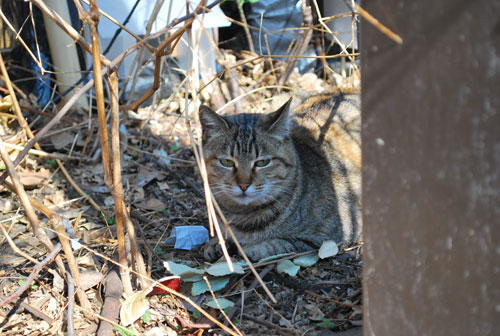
x: 245, y: 25
x: 17, y: 109
x: 33, y: 311
x: 112, y: 19
x: 28, y: 208
x: 386, y: 31
x: 48, y: 126
x: 14, y: 247
x: 57, y: 223
x: 113, y: 290
x: 32, y: 275
x: 77, y: 188
x: 228, y: 319
x: 337, y: 302
x: 68, y: 29
x: 279, y: 330
x: 41, y: 153
x: 121, y: 211
x: 92, y: 19
x: 28, y: 49
x: 71, y: 304
x: 304, y: 42
x: 249, y: 291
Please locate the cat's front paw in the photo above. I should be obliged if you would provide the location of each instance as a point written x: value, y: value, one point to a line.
x: 212, y: 250
x: 253, y: 253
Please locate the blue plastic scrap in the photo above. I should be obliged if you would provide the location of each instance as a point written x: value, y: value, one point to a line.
x: 188, y: 237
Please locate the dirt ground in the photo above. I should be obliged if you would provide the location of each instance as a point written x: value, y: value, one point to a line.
x: 163, y: 189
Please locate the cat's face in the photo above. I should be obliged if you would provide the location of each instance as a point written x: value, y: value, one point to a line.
x: 250, y: 158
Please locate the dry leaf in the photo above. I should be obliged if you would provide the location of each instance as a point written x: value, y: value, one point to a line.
x: 62, y: 140
x: 134, y: 307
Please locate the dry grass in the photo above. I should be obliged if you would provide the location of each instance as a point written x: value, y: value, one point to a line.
x: 125, y: 185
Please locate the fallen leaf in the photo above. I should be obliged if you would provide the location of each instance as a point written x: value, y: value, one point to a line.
x: 222, y: 268
x: 306, y: 260
x: 89, y: 279
x: 329, y: 248
x: 273, y: 257
x: 153, y: 204
x: 181, y: 270
x: 134, y: 307
x: 31, y: 179
x: 288, y: 267
x: 223, y: 303
x: 313, y: 312
x: 62, y: 140
x: 201, y: 287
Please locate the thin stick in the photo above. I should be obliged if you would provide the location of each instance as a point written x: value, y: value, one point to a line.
x: 245, y: 25
x: 112, y: 19
x: 49, y: 125
x: 67, y: 28
x: 77, y: 188
x: 6, y: 21
x: 328, y: 299
x: 32, y: 275
x: 304, y: 42
x: 157, y: 284
x: 41, y: 152
x: 14, y: 247
x: 80, y: 92
x: 57, y: 223
x: 254, y: 284
x: 140, y: 54
x: 15, y: 103
x: 228, y: 319
x: 93, y: 20
x: 33, y: 311
x: 30, y: 213
x: 71, y: 304
x: 120, y: 208
x: 278, y: 329
x: 389, y: 33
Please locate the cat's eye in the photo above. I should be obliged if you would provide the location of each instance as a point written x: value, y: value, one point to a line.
x: 262, y: 163
x: 227, y: 163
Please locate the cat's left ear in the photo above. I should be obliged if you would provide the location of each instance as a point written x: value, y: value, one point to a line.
x: 278, y: 122
x: 211, y: 122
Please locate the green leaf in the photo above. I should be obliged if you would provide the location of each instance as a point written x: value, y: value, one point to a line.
x: 329, y: 248
x: 201, y: 287
x: 325, y: 324
x: 306, y: 260
x: 288, y: 267
x: 124, y: 331
x: 196, y: 314
x: 223, y: 303
x: 273, y: 257
x: 181, y: 270
x: 192, y: 278
x: 146, y: 317
x: 222, y: 268
x: 175, y: 147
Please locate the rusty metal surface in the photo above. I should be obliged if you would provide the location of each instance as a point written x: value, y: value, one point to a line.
x: 431, y: 168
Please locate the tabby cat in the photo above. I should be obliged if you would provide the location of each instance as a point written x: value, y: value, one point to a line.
x: 290, y: 179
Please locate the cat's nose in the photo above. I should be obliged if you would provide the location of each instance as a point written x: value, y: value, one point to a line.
x: 243, y: 186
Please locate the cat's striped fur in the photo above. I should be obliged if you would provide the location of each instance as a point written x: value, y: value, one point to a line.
x: 290, y: 179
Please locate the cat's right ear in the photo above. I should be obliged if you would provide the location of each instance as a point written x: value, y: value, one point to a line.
x: 211, y: 122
